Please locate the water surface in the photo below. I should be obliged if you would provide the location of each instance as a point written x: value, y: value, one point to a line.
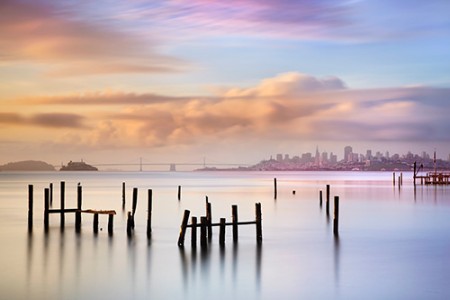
x: 393, y: 242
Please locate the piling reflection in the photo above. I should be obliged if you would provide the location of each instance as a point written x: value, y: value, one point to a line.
x: 221, y: 262
x: 337, y: 258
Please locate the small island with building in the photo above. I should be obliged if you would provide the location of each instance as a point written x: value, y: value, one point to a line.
x: 78, y: 166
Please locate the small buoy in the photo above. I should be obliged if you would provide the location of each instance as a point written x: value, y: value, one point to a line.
x: 293, y: 192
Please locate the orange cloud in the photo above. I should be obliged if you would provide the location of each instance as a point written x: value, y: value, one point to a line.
x: 289, y: 106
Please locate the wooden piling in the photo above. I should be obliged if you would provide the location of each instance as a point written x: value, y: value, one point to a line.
x: 336, y: 216
x: 78, y: 213
x: 30, y: 208
x: 62, y: 200
x: 234, y: 219
x: 149, y: 214
x: 51, y: 194
x: 320, y: 198
x: 327, y: 204
x: 258, y: 220
x: 123, y: 196
x: 95, y: 223
x: 179, y: 192
x: 135, y: 196
x: 209, y: 219
x: 110, y: 224
x: 203, y: 232
x: 393, y: 178
x: 183, y: 228
x: 194, y: 232
x: 46, y: 209
x: 222, y: 231
x: 129, y: 224
x: 275, y: 188
x: 401, y: 178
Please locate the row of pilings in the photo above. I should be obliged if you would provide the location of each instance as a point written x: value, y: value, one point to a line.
x: 205, y: 225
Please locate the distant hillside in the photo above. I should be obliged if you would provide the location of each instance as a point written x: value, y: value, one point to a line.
x: 27, y: 165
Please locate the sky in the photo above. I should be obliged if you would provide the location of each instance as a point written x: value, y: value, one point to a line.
x: 223, y: 81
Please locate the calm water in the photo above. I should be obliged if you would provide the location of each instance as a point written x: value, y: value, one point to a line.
x: 394, y: 243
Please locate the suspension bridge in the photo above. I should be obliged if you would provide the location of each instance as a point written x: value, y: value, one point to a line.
x: 171, y: 166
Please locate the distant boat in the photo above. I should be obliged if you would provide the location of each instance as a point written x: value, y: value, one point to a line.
x: 78, y: 166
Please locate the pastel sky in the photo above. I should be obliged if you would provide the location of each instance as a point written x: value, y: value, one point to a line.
x: 233, y: 81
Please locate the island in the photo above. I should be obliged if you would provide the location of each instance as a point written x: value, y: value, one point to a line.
x: 78, y: 166
x: 27, y: 165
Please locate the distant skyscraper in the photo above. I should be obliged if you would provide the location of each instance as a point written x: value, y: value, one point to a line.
x: 279, y: 157
x: 347, y: 151
x: 317, y: 157
x: 369, y: 155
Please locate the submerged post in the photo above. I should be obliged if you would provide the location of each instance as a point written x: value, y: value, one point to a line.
x: 95, y: 223
x: 336, y: 216
x: 183, y: 228
x: 393, y: 178
x: 135, y: 195
x: 129, y: 224
x: 275, y: 188
x: 234, y: 219
x: 46, y: 209
x: 320, y: 198
x: 209, y: 219
x: 78, y: 212
x: 51, y: 194
x: 149, y: 214
x: 62, y: 198
x: 258, y: 220
x: 179, y: 192
x: 194, y: 232
x: 327, y: 204
x: 222, y: 232
x: 30, y: 208
x: 123, y: 195
x: 203, y: 238
x: 110, y: 224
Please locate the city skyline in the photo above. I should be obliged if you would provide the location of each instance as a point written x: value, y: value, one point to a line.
x: 231, y: 81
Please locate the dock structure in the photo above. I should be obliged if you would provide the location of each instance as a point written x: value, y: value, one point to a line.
x: 431, y: 178
x: 205, y: 225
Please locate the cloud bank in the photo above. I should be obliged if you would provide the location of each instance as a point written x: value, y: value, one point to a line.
x: 290, y: 106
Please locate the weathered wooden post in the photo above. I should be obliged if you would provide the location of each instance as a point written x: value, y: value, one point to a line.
x: 275, y: 188
x: 46, y: 209
x: 222, y: 232
x: 123, y: 196
x: 30, y: 208
x: 110, y: 224
x: 203, y: 234
x: 78, y: 212
x: 336, y: 216
x: 129, y: 224
x: 415, y: 171
x: 327, y: 204
x: 183, y: 228
x: 234, y: 220
x: 51, y: 194
x: 179, y: 192
x: 95, y: 223
x: 194, y: 232
x: 401, y: 178
x: 209, y: 219
x: 135, y: 195
x: 62, y: 198
x: 258, y: 220
x: 149, y: 214
x: 393, y: 178
x: 320, y: 198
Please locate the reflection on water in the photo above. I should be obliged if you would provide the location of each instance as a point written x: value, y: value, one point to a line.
x: 393, y: 242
